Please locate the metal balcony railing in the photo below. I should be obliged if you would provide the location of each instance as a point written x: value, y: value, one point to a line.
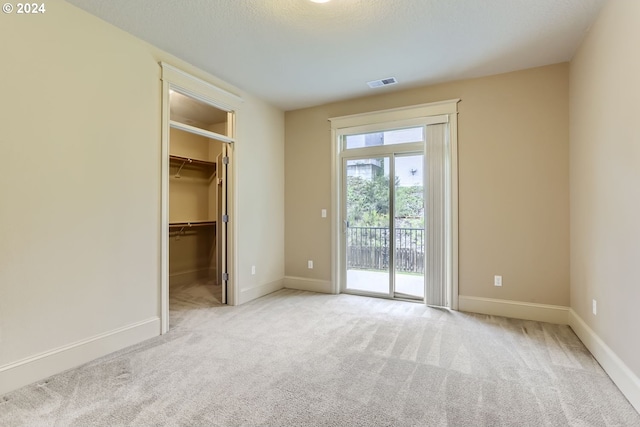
x: 368, y: 248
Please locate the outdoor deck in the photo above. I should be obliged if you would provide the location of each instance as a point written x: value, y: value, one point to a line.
x: 368, y: 261
x: 378, y: 281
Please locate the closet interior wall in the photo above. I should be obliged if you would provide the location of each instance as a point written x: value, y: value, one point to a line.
x: 192, y: 200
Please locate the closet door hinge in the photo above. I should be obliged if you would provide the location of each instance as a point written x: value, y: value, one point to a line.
x: 225, y: 160
x: 225, y: 276
x: 225, y: 218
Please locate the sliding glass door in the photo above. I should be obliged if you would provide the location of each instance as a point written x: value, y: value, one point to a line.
x: 394, y: 226
x: 367, y: 225
x: 408, y: 226
x: 384, y: 227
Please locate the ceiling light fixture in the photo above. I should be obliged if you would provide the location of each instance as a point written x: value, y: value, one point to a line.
x: 320, y: 1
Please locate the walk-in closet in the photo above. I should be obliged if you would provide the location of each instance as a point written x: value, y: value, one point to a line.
x: 198, y: 230
x: 198, y: 135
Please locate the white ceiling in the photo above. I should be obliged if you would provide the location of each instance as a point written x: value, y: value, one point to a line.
x: 295, y: 53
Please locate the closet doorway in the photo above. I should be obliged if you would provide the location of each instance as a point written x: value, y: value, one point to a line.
x: 197, y: 233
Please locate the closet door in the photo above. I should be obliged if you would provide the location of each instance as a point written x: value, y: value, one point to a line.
x: 223, y: 220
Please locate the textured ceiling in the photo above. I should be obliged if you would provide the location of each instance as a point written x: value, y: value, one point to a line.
x: 295, y: 53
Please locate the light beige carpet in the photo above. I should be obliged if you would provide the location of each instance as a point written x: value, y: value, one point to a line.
x: 294, y: 358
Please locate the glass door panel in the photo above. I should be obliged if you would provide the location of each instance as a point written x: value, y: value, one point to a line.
x: 408, y: 224
x: 390, y: 137
x: 368, y: 242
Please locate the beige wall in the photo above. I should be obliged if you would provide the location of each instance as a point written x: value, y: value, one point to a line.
x: 260, y: 183
x: 80, y: 140
x: 513, y: 170
x: 605, y: 179
x: 79, y: 132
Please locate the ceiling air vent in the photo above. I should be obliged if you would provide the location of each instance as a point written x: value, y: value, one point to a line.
x: 382, y: 82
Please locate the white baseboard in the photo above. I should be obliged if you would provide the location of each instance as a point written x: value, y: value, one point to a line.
x: 618, y: 371
x: 250, y: 294
x: 311, y: 285
x: 515, y: 309
x: 35, y: 368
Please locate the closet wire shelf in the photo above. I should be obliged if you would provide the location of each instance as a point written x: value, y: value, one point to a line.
x: 173, y: 226
x: 201, y: 164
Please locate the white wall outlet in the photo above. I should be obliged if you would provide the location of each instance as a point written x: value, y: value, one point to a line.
x: 253, y: 270
x: 323, y: 212
x: 497, y: 280
x: 310, y: 264
x: 594, y: 307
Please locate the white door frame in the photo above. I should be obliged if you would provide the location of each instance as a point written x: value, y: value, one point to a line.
x: 432, y: 113
x: 176, y: 79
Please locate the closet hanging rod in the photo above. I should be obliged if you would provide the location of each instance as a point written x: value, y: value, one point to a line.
x: 191, y: 160
x: 187, y: 224
x: 184, y: 160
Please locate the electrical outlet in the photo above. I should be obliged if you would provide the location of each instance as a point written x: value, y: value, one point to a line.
x: 310, y: 264
x: 253, y: 270
x: 323, y: 213
x: 594, y: 307
x: 497, y: 280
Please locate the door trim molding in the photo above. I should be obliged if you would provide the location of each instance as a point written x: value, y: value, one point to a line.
x: 431, y: 113
x: 401, y: 114
x: 173, y: 78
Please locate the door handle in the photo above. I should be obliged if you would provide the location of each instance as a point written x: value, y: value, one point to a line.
x: 346, y: 225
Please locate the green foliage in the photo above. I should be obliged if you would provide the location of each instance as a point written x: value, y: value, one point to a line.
x: 368, y: 203
x: 410, y: 206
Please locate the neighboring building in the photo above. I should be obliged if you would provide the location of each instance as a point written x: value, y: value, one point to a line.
x: 366, y: 168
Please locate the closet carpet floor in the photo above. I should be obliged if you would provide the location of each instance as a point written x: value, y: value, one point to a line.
x: 296, y: 358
